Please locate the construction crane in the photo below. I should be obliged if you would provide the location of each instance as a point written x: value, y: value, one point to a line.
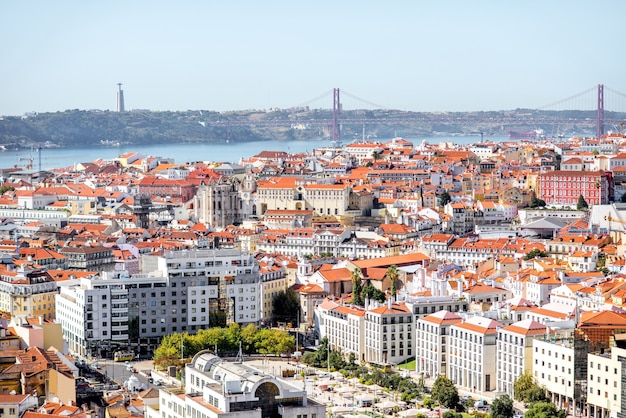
x: 611, y: 219
x: 29, y: 164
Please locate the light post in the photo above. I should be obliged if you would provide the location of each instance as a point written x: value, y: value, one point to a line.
x: 328, y: 356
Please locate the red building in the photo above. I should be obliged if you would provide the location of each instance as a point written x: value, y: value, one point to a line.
x: 564, y: 187
x: 173, y: 190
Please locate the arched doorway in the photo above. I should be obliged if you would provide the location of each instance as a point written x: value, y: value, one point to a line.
x: 267, y: 393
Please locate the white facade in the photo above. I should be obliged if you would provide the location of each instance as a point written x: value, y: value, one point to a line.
x: 389, y: 334
x: 92, y: 311
x: 472, y: 354
x: 604, y: 383
x: 228, y: 277
x: 553, y: 368
x: 178, y: 294
x: 344, y: 327
x: 432, y: 334
x: 216, y: 388
x: 515, y: 352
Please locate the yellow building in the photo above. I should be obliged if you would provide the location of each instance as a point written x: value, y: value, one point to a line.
x: 26, y: 290
x: 274, y: 281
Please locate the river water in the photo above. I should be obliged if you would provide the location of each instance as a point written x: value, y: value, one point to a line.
x: 181, y: 153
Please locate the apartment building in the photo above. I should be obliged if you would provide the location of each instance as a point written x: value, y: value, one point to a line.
x: 515, y: 352
x: 472, y: 354
x: 605, y: 382
x: 379, y: 334
x: 26, y: 290
x: 183, y: 291
x: 344, y: 326
x: 93, y: 314
x: 432, y: 334
x: 554, y: 368
x: 389, y: 334
x: 89, y: 258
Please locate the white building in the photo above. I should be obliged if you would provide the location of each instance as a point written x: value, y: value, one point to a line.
x: 554, y: 367
x: 179, y: 294
x: 380, y: 334
x: 472, y: 354
x: 605, y: 374
x: 344, y: 326
x: 431, y: 332
x: 216, y: 388
x: 389, y: 333
x: 85, y: 308
x: 515, y: 352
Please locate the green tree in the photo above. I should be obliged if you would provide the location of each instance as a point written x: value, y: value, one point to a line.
x: 544, y: 410
x: 526, y: 390
x: 535, y: 202
x: 249, y: 337
x: 4, y: 188
x: 445, y: 393
x: 357, y: 286
x: 286, y: 307
x: 535, y: 252
x: 393, y: 274
x: 272, y: 341
x: 373, y: 293
x: 444, y: 199
x: 582, y: 203
x: 502, y: 407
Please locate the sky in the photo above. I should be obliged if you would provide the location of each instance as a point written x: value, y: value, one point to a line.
x: 414, y: 55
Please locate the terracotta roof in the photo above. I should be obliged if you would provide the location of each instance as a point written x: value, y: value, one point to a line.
x: 443, y: 317
x: 526, y: 327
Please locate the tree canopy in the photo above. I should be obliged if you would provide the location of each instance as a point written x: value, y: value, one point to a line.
x: 536, y: 202
x: 222, y: 340
x: 286, y: 307
x: 393, y: 274
x: 526, y: 390
x: 582, y: 203
x: 535, y: 252
x: 544, y: 410
x: 373, y: 293
x: 444, y: 199
x: 357, y: 286
x: 502, y: 407
x: 445, y: 392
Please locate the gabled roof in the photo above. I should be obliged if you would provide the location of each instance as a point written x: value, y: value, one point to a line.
x: 526, y: 327
x: 443, y: 317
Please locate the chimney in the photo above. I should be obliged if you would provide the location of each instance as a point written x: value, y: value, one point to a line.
x: 389, y: 302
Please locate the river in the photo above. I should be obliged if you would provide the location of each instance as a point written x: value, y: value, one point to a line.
x: 181, y: 153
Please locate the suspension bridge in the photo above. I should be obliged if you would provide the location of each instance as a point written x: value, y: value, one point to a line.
x: 599, y: 106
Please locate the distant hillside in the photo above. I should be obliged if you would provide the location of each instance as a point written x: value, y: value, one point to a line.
x: 80, y: 128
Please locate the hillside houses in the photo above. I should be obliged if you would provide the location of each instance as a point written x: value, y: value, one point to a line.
x: 460, y: 274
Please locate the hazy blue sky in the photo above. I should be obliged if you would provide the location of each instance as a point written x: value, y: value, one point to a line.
x: 223, y: 55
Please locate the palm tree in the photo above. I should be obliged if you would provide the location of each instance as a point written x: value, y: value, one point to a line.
x: 393, y: 274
